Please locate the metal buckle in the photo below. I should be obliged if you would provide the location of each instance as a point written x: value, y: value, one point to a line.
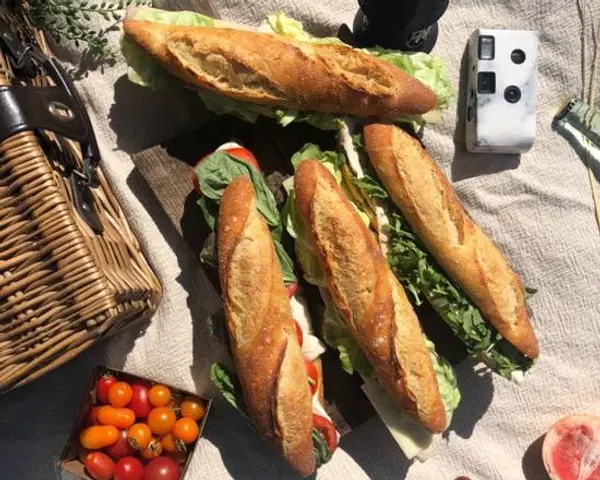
x: 58, y: 109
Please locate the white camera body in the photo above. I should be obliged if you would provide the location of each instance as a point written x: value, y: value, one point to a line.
x: 501, y: 91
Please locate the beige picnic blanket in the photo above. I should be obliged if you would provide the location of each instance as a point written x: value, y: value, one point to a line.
x: 538, y: 208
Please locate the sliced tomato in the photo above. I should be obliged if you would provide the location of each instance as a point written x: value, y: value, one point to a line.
x: 240, y: 153
x: 313, y: 375
x: 327, y: 430
x: 299, y: 333
x: 291, y: 289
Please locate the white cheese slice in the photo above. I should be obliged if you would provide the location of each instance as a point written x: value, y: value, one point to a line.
x: 312, y: 347
x: 320, y: 410
x: 518, y: 377
x: 347, y: 144
x: 382, y: 230
x: 412, y: 438
x: 227, y: 145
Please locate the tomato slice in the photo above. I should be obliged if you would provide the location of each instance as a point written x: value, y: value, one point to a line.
x: 240, y: 153
x: 313, y: 375
x: 327, y: 429
x: 299, y: 333
x: 291, y: 289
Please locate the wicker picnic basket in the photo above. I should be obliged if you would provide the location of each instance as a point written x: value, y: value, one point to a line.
x: 71, y: 270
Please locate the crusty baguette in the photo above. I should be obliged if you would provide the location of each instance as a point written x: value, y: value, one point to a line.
x: 277, y: 70
x: 267, y: 355
x: 422, y: 192
x: 368, y: 296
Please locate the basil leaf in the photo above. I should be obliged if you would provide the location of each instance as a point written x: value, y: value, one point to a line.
x: 210, y: 210
x: 217, y: 327
x: 322, y: 453
x: 218, y: 170
x: 285, y: 263
x: 371, y: 187
x: 229, y: 386
x: 208, y: 254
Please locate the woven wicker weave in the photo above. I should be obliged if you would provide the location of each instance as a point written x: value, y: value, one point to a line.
x: 62, y: 287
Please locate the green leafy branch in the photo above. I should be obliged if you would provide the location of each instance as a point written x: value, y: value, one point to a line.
x: 69, y: 20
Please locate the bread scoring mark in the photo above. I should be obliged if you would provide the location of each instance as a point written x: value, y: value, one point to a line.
x: 246, y: 265
x: 218, y: 69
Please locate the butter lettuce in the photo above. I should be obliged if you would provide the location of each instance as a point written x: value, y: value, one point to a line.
x: 143, y: 70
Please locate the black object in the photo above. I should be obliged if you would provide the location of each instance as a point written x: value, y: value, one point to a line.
x: 517, y: 56
x: 409, y: 25
x: 50, y: 108
x: 486, y: 82
x: 512, y: 94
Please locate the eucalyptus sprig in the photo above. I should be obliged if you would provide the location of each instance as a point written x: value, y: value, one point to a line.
x: 70, y: 20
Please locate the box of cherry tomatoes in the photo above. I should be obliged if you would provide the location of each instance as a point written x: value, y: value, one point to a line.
x: 132, y: 428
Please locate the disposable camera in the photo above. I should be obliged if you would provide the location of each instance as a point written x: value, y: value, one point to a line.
x: 501, y: 90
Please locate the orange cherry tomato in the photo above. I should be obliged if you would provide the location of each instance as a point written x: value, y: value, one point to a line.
x: 139, y: 436
x: 153, y: 450
x: 159, y: 396
x: 98, y: 436
x: 119, y: 394
x: 299, y: 333
x: 161, y: 420
x: 117, y: 417
x: 172, y: 444
x: 193, y: 408
x: 313, y: 375
x: 327, y: 430
x: 186, y: 429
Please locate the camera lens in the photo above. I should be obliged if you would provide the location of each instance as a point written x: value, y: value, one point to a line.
x: 517, y: 56
x: 512, y: 94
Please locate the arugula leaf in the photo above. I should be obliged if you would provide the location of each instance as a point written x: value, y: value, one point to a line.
x: 371, y: 187
x: 322, y: 453
x: 218, y: 170
x: 229, y: 386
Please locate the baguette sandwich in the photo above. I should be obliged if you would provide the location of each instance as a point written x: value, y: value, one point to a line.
x: 368, y: 317
x: 278, y: 384
x: 280, y: 71
x: 425, y: 198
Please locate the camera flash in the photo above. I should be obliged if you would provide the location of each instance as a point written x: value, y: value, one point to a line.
x: 486, y: 47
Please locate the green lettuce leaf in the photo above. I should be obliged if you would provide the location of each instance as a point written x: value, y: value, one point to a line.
x: 337, y: 335
x: 446, y: 378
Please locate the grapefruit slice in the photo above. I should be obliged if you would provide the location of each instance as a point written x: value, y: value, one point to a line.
x: 571, y: 449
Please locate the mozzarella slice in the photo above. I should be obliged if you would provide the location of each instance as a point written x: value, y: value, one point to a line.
x: 312, y: 347
x: 320, y: 410
x: 412, y: 437
x: 227, y: 145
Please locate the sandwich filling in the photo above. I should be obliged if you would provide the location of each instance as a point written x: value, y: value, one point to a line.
x: 212, y: 175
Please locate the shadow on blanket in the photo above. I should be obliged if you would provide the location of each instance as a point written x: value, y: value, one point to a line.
x: 465, y: 164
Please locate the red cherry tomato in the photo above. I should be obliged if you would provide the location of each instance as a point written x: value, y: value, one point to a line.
x: 99, y: 466
x: 291, y: 289
x: 102, y: 387
x: 129, y: 468
x: 313, y: 375
x: 121, y: 448
x: 162, y: 468
x: 238, y: 152
x: 139, y: 401
x: 299, y: 333
x: 327, y: 430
